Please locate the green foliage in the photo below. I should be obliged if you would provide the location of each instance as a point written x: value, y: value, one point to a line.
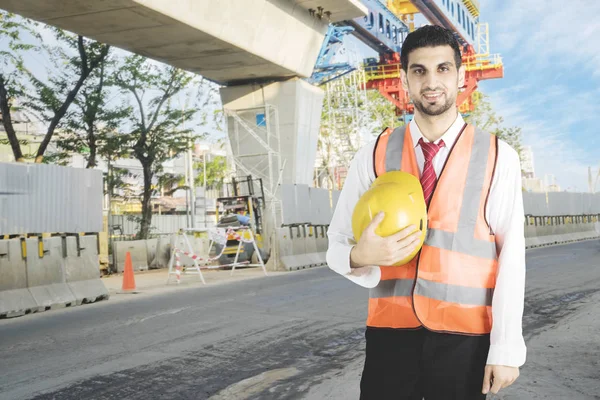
x: 216, y: 170
x: 11, y: 29
x: 382, y: 113
x: 170, y: 183
x: 116, y: 183
x: 73, y: 60
x: 486, y: 119
x: 11, y: 68
x: 90, y: 127
x: 55, y: 158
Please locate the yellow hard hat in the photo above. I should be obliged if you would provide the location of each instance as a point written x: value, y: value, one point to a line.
x: 400, y: 196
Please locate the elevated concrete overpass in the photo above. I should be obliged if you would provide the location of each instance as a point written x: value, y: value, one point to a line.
x: 227, y: 41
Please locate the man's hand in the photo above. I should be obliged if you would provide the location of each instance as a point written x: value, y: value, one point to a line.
x: 498, y: 377
x: 373, y: 249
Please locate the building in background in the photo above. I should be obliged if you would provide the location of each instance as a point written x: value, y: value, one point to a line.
x: 533, y: 185
x: 530, y: 182
x: 550, y: 183
x: 527, y: 165
x: 29, y: 134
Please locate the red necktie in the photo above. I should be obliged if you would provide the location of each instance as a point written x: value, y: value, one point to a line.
x: 428, y: 178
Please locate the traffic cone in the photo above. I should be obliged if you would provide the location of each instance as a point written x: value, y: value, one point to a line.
x: 128, y: 278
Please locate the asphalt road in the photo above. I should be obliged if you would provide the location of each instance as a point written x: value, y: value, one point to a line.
x: 295, y: 336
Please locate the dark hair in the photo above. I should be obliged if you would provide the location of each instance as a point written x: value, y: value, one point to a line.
x: 429, y: 36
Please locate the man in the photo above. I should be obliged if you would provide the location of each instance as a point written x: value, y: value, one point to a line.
x: 448, y: 325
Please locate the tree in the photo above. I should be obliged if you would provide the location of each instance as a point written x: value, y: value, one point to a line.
x: 91, y: 124
x: 485, y: 118
x: 111, y: 147
x: 169, y: 183
x: 156, y: 133
x: 50, y: 101
x: 11, y: 62
x: 216, y: 170
x: 75, y: 58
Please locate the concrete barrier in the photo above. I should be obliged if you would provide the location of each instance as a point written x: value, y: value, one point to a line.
x: 322, y: 244
x: 159, y: 252
x: 151, y: 245
x: 82, y: 270
x: 284, y: 247
x: 312, y: 252
x: 138, y: 251
x: 292, y: 248
x: 590, y: 231
x: 103, y: 255
x: 46, y: 276
x: 302, y: 247
x: 200, y: 247
x: 299, y: 260
x: 559, y: 233
x: 15, y: 298
x: 530, y: 236
x: 322, y: 241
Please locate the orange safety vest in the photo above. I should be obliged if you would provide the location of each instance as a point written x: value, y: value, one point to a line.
x: 448, y: 287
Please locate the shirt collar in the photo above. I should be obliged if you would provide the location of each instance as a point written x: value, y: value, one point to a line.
x: 449, y: 137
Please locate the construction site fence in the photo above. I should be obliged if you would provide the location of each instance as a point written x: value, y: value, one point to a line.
x: 561, y: 203
x: 126, y: 227
x: 302, y: 204
x: 49, y: 198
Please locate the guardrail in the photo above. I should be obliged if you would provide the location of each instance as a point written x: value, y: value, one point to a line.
x: 561, y: 219
x: 551, y: 230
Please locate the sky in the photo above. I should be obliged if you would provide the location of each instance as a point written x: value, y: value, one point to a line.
x: 551, y: 85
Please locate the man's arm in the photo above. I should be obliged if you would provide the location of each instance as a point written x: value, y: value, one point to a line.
x: 506, y: 217
x: 341, y: 238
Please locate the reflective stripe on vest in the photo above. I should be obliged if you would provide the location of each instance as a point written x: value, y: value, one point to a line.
x: 454, y: 294
x: 392, y: 287
x: 393, y: 152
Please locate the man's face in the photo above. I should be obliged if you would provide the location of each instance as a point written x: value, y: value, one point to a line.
x: 432, y: 79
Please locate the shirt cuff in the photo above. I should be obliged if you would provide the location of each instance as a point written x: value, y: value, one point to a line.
x: 510, y: 356
x: 367, y: 276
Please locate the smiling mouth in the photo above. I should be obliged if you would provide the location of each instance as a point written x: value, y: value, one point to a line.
x: 432, y: 96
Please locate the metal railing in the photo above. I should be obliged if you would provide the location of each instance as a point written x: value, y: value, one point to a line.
x: 472, y: 6
x: 382, y: 71
x: 531, y: 220
x: 480, y: 62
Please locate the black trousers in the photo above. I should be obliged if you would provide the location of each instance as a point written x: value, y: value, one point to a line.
x: 420, y: 364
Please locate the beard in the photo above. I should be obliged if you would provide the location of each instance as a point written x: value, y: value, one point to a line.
x: 436, y: 109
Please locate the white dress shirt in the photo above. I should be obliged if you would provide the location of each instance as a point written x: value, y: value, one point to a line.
x: 504, y: 213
